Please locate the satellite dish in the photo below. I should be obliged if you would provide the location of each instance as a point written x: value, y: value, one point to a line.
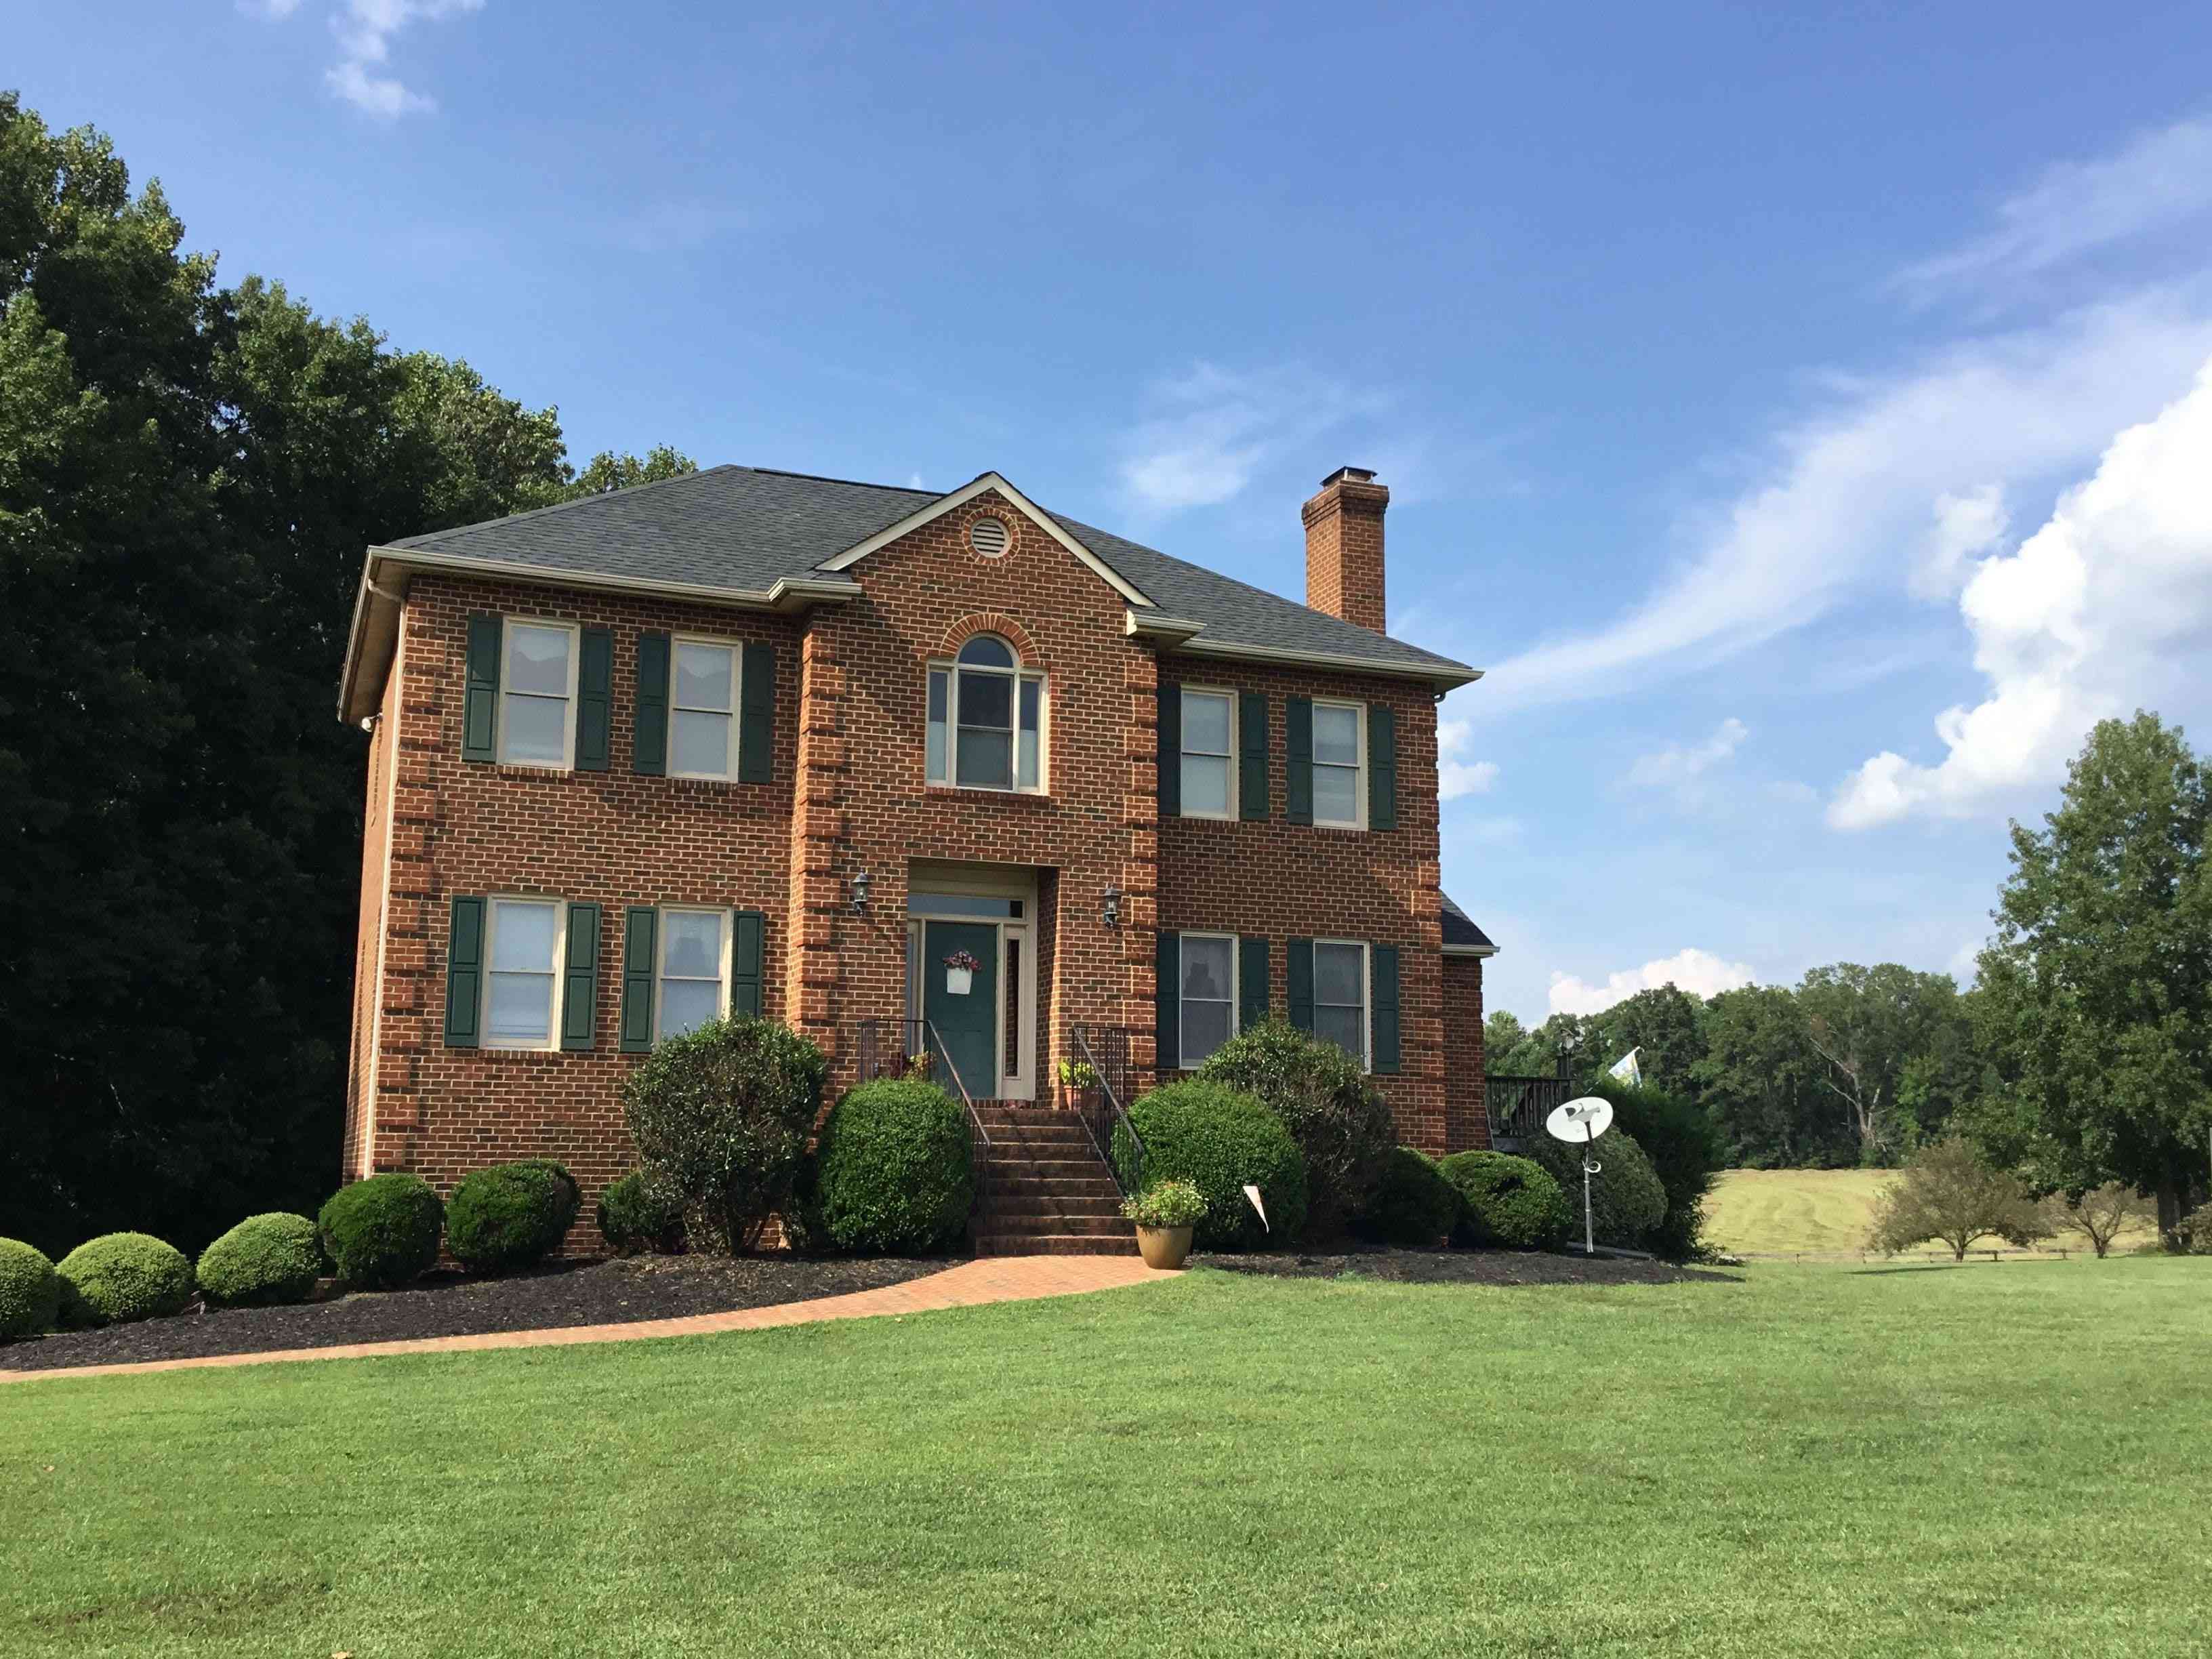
x: 1580, y: 1120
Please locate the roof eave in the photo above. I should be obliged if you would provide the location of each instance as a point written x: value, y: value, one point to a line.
x: 1470, y: 949
x: 1444, y: 676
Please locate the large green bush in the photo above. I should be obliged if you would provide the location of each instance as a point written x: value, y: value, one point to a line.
x: 30, y: 1289
x: 382, y: 1231
x: 721, y: 1117
x: 1413, y: 1204
x: 264, y: 1259
x: 891, y: 1172
x: 1218, y: 1138
x: 1340, y: 1123
x: 121, y: 1277
x: 1506, y: 1200
x: 636, y: 1215
x: 1678, y: 1135
x: 1627, y: 1203
x: 510, y: 1215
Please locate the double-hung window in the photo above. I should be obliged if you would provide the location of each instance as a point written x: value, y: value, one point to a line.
x: 522, y: 982
x: 1209, y: 742
x: 538, y: 695
x: 986, y: 720
x: 703, y: 710
x: 694, y: 971
x: 1340, y: 982
x: 1339, y: 793
x: 1207, y: 987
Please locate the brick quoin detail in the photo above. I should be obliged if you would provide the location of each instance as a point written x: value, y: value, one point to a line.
x: 849, y: 793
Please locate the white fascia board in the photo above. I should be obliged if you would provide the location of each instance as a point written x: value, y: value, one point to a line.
x: 1445, y: 675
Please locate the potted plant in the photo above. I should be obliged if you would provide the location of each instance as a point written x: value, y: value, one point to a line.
x: 920, y: 1068
x: 1165, y: 1212
x: 1078, y: 1078
x: 960, y: 974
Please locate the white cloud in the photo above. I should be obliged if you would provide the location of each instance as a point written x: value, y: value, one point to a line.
x: 275, y: 10
x: 2103, y: 610
x: 1456, y: 775
x: 1212, y: 430
x: 1677, y: 768
x: 1698, y: 972
x: 2161, y: 181
x: 1967, y: 526
x: 364, y: 30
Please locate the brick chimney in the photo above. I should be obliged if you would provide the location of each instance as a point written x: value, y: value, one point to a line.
x: 1344, y: 546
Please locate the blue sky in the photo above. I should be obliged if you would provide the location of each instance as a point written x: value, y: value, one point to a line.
x: 1800, y: 411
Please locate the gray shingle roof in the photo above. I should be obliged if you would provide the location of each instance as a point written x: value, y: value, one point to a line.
x: 745, y: 528
x: 1460, y: 928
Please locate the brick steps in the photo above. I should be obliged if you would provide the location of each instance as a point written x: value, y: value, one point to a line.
x: 1045, y: 1191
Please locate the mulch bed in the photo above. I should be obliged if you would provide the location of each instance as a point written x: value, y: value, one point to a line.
x: 458, y: 1304
x: 1466, y: 1267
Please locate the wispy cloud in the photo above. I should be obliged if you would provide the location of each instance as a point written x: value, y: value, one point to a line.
x: 365, y: 29
x: 680, y: 227
x: 1209, y: 433
x: 1458, y: 774
x: 275, y: 10
x: 1698, y: 972
x: 1681, y: 768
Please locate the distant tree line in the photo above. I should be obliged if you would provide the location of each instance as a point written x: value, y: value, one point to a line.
x: 189, y: 474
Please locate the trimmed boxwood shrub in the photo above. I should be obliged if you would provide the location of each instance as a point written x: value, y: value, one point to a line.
x: 1627, y: 1203
x: 121, y: 1277
x: 30, y: 1289
x: 382, y: 1231
x: 1678, y: 1135
x: 1413, y: 1204
x: 511, y: 1215
x: 1341, y: 1123
x: 264, y: 1259
x: 1218, y: 1139
x: 636, y: 1215
x: 1506, y: 1200
x: 891, y: 1172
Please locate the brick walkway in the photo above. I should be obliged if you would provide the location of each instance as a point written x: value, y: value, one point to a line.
x: 992, y: 1279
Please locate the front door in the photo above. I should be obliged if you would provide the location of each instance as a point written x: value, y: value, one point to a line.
x: 967, y: 1023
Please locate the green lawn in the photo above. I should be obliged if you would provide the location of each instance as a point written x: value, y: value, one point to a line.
x: 2012, y: 1460
x: 1763, y: 1212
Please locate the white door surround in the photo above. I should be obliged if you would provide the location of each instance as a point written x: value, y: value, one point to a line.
x: 1004, y: 898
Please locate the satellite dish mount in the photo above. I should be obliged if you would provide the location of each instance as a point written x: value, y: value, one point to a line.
x: 1579, y: 1123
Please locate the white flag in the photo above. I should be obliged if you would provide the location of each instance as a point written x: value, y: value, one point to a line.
x: 1252, y: 1193
x: 1627, y: 1070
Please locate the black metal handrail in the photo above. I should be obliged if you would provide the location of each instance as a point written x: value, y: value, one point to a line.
x: 1106, y: 1122
x: 921, y: 1049
x: 1518, y: 1106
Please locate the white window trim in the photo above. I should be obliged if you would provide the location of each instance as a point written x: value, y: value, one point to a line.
x: 737, y: 650
x: 1366, y: 999
x: 1235, y: 732
x: 1021, y: 674
x: 554, y: 1010
x: 1183, y: 1062
x: 576, y: 633
x: 659, y: 955
x: 1359, y: 819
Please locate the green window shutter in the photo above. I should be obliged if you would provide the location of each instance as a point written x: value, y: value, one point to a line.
x: 1298, y: 957
x: 641, y: 932
x: 464, y: 943
x: 480, y: 701
x: 1252, y: 756
x: 649, y: 750
x: 747, y: 952
x: 595, y: 699
x: 1381, y: 767
x: 756, y: 715
x: 1170, y: 753
x: 1298, y: 752
x: 1251, y: 982
x: 1382, y: 1014
x: 1168, y: 1055
x: 580, y: 980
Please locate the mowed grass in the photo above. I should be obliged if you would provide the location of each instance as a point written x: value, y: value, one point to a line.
x: 1815, y: 1461
x: 1779, y: 1211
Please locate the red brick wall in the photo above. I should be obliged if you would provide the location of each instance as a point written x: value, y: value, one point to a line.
x: 368, y: 944
x: 1466, y: 1122
x: 1344, y: 552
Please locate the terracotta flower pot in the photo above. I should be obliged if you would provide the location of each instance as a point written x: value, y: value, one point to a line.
x: 1164, y: 1247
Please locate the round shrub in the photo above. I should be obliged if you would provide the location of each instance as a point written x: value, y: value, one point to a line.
x: 263, y: 1260
x: 1626, y: 1200
x: 1676, y: 1133
x: 1506, y: 1200
x: 1342, y: 1126
x: 891, y: 1171
x: 121, y: 1277
x: 1413, y: 1204
x: 30, y: 1289
x: 636, y: 1215
x: 1218, y: 1138
x: 510, y: 1215
x: 382, y: 1231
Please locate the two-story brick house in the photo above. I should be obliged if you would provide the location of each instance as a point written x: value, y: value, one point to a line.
x: 754, y: 740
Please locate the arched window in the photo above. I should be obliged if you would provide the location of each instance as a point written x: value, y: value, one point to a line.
x: 987, y: 719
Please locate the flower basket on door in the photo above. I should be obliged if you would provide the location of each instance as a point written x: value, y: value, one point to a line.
x: 960, y: 974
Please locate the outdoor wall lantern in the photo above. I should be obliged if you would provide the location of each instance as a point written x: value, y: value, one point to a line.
x: 860, y: 889
x: 1111, y: 914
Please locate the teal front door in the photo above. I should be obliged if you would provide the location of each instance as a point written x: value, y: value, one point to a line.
x: 967, y: 1023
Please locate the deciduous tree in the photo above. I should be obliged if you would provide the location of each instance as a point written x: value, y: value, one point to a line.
x: 1947, y: 1191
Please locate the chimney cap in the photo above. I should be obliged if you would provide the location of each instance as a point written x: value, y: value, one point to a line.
x: 1350, y: 475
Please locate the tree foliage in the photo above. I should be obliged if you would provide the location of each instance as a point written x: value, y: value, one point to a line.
x: 2100, y: 1215
x: 1945, y: 1192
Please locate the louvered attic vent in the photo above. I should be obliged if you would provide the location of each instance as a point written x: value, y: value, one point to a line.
x: 988, y: 536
